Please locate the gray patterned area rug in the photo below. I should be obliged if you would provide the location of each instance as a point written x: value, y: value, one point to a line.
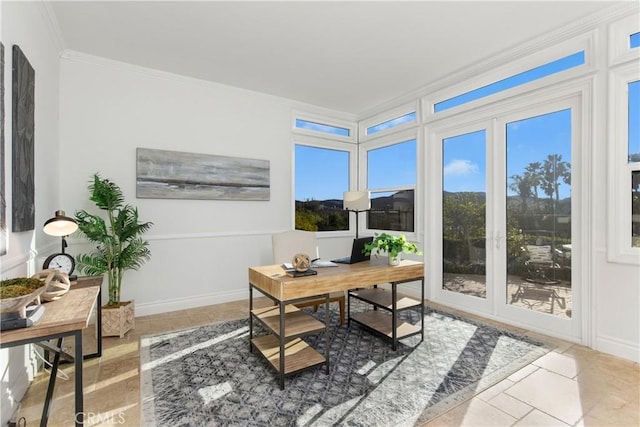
x: 206, y: 376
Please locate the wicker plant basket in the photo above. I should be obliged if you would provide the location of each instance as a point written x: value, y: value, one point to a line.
x: 117, y: 321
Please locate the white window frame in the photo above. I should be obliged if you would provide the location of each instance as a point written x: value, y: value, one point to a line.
x: 386, y: 141
x: 619, y: 201
x: 387, y: 115
x: 328, y: 144
x: 619, y: 40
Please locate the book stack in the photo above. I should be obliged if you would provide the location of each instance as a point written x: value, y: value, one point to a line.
x: 294, y: 273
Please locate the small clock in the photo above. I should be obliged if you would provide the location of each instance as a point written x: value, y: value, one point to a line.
x: 62, y: 262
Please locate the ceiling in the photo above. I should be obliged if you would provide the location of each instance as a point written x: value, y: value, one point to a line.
x: 346, y: 56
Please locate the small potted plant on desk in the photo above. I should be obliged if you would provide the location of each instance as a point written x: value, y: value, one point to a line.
x: 392, y: 245
x: 119, y: 248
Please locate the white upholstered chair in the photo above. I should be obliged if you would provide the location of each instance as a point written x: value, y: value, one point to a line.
x: 289, y: 243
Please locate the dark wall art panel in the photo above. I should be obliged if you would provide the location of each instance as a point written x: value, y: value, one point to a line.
x: 23, y: 185
x: 162, y: 174
x: 3, y: 202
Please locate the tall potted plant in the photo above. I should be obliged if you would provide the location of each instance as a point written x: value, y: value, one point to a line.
x: 118, y: 247
x: 392, y: 245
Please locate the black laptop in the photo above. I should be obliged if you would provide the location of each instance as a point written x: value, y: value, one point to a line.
x: 357, y: 252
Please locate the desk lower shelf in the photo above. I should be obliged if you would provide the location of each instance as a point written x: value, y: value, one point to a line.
x: 381, y: 323
x: 296, y: 322
x: 298, y: 355
x: 383, y: 298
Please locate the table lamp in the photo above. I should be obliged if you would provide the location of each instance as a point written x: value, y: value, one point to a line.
x: 357, y: 201
x: 62, y: 226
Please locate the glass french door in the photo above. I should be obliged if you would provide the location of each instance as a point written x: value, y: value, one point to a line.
x: 464, y: 219
x: 507, y: 214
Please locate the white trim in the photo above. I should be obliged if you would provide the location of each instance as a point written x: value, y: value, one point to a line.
x: 619, y: 38
x: 51, y: 20
x: 621, y: 348
x: 619, y: 173
x: 175, y: 304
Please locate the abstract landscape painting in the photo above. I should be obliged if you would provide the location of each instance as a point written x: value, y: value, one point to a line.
x: 23, y: 182
x: 163, y: 174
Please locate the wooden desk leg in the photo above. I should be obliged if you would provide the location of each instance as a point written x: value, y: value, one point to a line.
x: 78, y: 374
x: 44, y: 419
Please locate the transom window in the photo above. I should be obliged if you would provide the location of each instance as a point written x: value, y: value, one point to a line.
x: 321, y: 127
x: 533, y: 74
x: 406, y: 118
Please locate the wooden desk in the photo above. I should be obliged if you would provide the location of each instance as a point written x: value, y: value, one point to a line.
x: 284, y: 321
x: 67, y: 316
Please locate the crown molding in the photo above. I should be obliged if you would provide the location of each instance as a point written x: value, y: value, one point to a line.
x: 51, y: 20
x: 588, y: 23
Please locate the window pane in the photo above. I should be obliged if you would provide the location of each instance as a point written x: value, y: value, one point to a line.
x: 464, y: 214
x: 321, y: 176
x: 634, y: 121
x: 538, y: 205
x: 407, y: 118
x: 634, y: 40
x: 635, y: 209
x: 320, y: 127
x: 391, y: 211
x: 510, y: 82
x: 392, y: 166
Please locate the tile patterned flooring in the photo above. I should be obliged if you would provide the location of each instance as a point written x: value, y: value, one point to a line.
x: 570, y: 386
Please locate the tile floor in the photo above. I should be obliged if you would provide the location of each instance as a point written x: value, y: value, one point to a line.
x: 570, y: 386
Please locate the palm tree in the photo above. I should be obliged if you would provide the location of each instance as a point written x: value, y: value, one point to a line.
x: 533, y: 173
x: 522, y: 186
x: 119, y: 246
x: 554, y: 169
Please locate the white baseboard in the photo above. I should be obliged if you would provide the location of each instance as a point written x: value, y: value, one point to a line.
x: 176, y: 304
x: 617, y: 347
x: 15, y: 382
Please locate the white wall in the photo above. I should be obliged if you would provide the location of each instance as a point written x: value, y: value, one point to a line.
x: 26, y: 24
x: 201, y: 249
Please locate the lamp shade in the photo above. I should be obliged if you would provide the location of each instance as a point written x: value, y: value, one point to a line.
x: 357, y: 200
x: 60, y: 225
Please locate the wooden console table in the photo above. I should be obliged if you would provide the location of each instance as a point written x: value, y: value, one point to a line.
x: 284, y: 347
x: 67, y: 316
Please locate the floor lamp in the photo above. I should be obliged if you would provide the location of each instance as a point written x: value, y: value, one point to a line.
x: 357, y: 201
